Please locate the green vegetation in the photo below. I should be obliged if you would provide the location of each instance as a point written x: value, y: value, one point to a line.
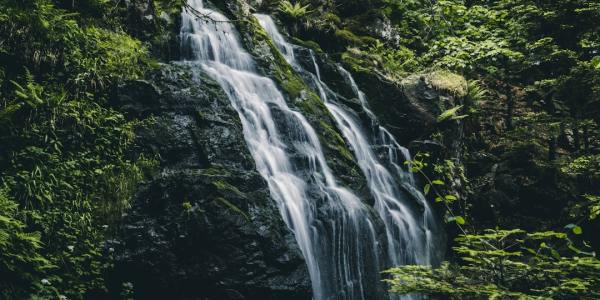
x: 294, y: 11
x: 529, y: 113
x: 226, y: 187
x: 529, y: 104
x: 66, y: 162
x: 501, y: 264
x: 507, y: 264
x: 233, y: 207
x: 20, y: 262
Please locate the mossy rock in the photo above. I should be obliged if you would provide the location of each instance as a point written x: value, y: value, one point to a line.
x: 353, y: 59
x: 225, y: 187
x: 308, y: 44
x: 448, y: 82
x: 350, y: 38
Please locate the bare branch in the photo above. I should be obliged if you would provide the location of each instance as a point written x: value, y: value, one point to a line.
x: 205, y: 16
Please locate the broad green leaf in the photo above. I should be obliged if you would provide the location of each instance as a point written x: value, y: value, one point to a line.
x: 574, y: 228
x: 596, y: 62
x: 458, y: 219
x: 450, y: 197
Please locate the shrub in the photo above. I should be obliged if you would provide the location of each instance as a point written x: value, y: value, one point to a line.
x: 506, y: 264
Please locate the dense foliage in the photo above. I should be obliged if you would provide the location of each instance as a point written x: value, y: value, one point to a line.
x: 530, y: 118
x: 507, y: 264
x: 66, y: 167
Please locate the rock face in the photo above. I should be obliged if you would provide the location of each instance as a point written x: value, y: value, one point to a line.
x: 204, y: 227
x: 408, y: 109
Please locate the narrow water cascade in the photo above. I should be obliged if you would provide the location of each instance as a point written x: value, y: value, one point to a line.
x: 333, y: 228
x: 410, y: 233
x: 396, y: 155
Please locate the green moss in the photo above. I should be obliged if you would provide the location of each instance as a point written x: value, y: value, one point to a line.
x: 448, y: 81
x: 334, y: 140
x: 308, y: 44
x: 332, y: 18
x: 233, y: 207
x: 222, y: 185
x: 257, y: 29
x: 351, y: 59
x: 215, y: 171
x: 353, y: 39
x: 348, y: 36
x: 186, y: 206
x: 292, y: 85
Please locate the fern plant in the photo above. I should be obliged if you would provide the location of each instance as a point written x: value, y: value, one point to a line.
x: 476, y: 93
x: 294, y: 11
x: 20, y: 258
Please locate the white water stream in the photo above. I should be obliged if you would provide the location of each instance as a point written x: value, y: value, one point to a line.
x: 409, y: 232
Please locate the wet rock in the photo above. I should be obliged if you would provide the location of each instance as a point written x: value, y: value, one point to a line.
x: 204, y: 227
x: 158, y: 29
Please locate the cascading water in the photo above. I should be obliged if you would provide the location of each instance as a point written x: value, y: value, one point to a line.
x: 409, y: 234
x: 333, y: 228
x: 385, y: 139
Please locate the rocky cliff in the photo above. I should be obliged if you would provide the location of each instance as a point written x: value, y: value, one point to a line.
x: 205, y: 227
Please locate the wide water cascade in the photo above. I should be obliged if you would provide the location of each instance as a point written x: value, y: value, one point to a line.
x: 410, y: 232
x: 334, y: 230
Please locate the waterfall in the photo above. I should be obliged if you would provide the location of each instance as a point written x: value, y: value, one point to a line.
x: 409, y: 233
x: 333, y: 228
x: 385, y: 139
